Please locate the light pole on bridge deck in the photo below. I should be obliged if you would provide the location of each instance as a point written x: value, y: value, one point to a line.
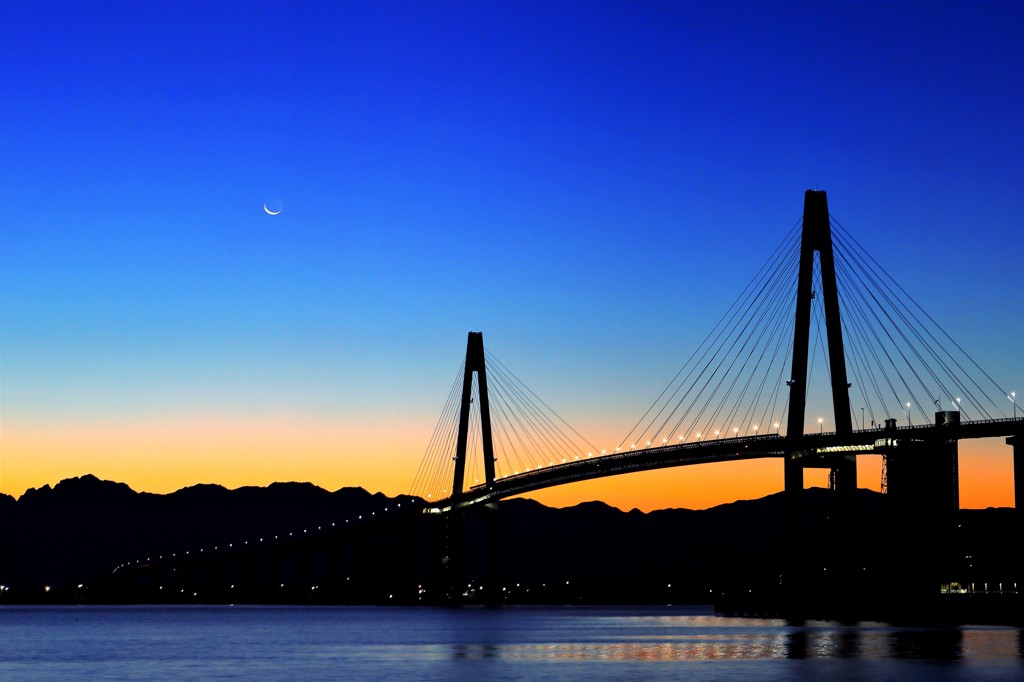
x: 1013, y: 399
x: 821, y: 425
x: 862, y: 419
x: 909, y: 423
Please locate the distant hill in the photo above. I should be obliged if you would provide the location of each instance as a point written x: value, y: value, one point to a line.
x: 80, y: 529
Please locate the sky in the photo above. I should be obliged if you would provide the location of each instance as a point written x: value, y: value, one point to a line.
x: 590, y: 184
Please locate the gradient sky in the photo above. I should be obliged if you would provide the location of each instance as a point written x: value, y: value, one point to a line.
x: 588, y: 183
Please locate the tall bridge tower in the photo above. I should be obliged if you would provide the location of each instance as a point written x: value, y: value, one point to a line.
x: 816, y: 238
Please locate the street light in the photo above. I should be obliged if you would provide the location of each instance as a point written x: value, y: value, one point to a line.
x: 1013, y: 399
x: 821, y: 428
x: 909, y: 423
x: 862, y: 419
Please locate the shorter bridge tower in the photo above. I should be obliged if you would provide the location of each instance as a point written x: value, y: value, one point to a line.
x: 455, y: 534
x: 474, y: 365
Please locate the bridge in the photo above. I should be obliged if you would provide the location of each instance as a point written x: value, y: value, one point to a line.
x: 744, y: 394
x: 752, y: 376
x: 874, y: 441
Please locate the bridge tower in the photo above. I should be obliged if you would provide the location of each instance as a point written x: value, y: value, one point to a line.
x: 474, y: 364
x: 816, y: 238
x: 456, y: 527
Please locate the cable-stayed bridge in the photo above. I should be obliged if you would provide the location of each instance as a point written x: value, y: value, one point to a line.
x: 821, y: 324
x: 878, y: 441
x: 820, y: 334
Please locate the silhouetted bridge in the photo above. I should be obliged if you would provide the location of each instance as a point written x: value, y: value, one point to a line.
x: 743, y: 394
x: 815, y: 450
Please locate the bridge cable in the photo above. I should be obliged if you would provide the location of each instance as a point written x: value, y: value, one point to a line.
x: 914, y: 332
x: 437, y: 447
x: 923, y: 311
x: 526, y: 433
x: 710, y: 366
x: 526, y: 388
x: 914, y: 327
x: 777, y: 284
x: 696, y: 359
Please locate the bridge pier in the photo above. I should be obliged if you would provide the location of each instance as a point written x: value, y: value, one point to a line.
x: 1017, y: 443
x: 826, y: 580
x: 923, y: 502
x: 794, y: 575
x: 479, y: 528
x: 845, y: 583
x: 492, y: 570
x: 453, y: 559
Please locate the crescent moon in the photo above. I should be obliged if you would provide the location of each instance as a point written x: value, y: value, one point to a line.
x: 269, y: 212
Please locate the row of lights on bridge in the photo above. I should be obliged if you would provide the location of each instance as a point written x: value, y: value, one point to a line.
x: 1012, y: 397
x: 755, y: 428
x: 245, y: 543
x: 565, y: 460
x: 718, y: 433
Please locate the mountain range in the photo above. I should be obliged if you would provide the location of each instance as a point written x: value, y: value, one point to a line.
x: 79, y: 530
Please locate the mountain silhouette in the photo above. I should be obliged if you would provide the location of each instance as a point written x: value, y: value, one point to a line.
x: 79, y: 530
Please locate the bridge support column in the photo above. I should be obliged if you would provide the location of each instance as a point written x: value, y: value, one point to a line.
x: 923, y: 503
x: 1017, y: 443
x: 845, y: 583
x: 454, y: 559
x: 492, y: 571
x: 794, y: 576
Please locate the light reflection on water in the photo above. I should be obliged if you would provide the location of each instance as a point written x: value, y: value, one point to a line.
x: 505, y: 644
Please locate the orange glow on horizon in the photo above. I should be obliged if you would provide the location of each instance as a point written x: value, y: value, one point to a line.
x: 986, y: 480
x: 162, y: 456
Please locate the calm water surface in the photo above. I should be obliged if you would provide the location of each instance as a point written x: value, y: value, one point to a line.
x: 568, y: 643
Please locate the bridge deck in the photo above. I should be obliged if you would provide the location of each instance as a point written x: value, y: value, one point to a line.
x: 829, y: 444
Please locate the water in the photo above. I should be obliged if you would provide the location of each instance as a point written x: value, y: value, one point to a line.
x: 537, y: 644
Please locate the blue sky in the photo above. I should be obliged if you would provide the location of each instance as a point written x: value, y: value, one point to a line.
x: 590, y: 184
